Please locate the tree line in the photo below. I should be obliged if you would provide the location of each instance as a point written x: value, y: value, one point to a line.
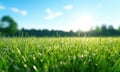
x: 98, y: 31
x: 12, y: 30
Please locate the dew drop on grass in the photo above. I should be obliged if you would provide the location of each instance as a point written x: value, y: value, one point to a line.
x: 33, y: 58
x: 25, y: 65
x: 35, y: 68
x: 18, y: 51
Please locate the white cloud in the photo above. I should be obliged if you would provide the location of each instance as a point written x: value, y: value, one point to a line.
x: 68, y: 7
x: 48, y: 11
x: 2, y: 7
x: 52, y: 15
x: 22, y: 12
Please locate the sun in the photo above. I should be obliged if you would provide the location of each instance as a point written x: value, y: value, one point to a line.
x: 84, y: 22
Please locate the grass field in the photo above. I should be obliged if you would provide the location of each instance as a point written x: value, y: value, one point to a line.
x: 60, y: 54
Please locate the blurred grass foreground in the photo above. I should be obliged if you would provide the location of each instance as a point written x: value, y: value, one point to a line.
x: 85, y: 54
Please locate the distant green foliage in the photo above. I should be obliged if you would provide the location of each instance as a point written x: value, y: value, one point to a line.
x: 60, y: 54
x: 11, y: 28
x: 103, y: 31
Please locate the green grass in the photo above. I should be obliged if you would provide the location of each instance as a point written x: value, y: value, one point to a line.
x: 60, y: 54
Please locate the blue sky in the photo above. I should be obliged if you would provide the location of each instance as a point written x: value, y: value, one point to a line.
x: 62, y: 14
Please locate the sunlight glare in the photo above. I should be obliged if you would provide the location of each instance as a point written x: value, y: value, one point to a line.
x: 84, y: 23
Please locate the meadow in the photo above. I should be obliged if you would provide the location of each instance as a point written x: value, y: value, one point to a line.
x: 86, y: 54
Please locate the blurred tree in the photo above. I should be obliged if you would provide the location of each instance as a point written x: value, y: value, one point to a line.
x: 71, y: 33
x: 10, y: 28
x: 111, y: 30
x: 118, y: 29
x: 98, y: 29
x: 104, y: 28
x: 104, y: 31
x: 110, y: 27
